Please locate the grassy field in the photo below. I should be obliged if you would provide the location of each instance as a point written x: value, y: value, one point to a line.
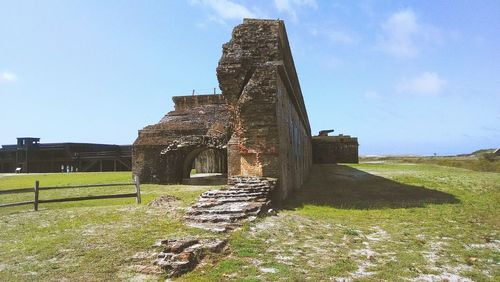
x: 382, y: 222
x: 482, y: 160
x: 87, y: 240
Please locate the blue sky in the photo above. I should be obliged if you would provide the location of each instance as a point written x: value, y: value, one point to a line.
x: 406, y: 77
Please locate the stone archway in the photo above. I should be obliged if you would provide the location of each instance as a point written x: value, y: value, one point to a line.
x: 214, y: 160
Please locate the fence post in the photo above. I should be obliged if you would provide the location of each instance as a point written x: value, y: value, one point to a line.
x: 137, y: 189
x: 37, y: 185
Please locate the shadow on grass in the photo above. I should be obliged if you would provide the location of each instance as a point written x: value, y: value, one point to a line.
x: 345, y: 187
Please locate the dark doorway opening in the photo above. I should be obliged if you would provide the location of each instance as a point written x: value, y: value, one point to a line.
x: 205, y: 166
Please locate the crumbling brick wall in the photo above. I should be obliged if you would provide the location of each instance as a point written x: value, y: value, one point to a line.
x: 164, y: 152
x: 271, y: 132
x: 260, y: 117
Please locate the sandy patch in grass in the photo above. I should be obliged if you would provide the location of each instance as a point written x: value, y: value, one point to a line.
x: 378, y: 235
x: 441, y: 277
x: 317, y: 247
x: 493, y: 245
x: 268, y: 270
x: 445, y: 271
x: 366, y: 257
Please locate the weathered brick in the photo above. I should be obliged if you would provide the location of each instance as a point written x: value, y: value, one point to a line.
x: 260, y: 119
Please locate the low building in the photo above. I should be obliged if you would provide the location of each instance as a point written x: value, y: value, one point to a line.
x: 31, y: 156
x: 334, y: 149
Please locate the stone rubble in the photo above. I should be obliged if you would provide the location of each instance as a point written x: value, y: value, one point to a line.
x: 183, y: 255
x: 225, y: 209
x: 222, y: 210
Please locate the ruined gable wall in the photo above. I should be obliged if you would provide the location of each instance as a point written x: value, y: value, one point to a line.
x: 162, y: 151
x: 185, y: 103
x: 271, y: 136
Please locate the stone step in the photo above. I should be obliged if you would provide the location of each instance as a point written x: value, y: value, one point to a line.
x: 247, y: 180
x: 248, y: 194
x: 231, y: 200
x: 214, y: 227
x: 227, y: 208
x: 196, y: 213
x: 245, y: 191
x: 217, y: 203
x: 215, y: 218
x: 239, y: 190
x: 250, y: 185
x: 248, y: 190
x: 234, y: 194
x: 218, y: 210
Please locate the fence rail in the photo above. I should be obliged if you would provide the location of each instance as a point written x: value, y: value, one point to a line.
x: 16, y: 191
x: 36, y: 191
x: 84, y: 186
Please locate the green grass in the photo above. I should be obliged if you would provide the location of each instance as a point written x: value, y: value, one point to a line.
x: 375, y: 222
x: 382, y: 222
x: 482, y: 160
x: 87, y: 240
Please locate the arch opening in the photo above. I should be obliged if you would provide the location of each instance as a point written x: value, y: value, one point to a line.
x: 205, y: 166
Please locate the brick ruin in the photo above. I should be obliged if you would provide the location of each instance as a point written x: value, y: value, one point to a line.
x: 164, y: 152
x: 259, y: 122
x: 271, y: 134
x: 334, y: 149
x: 258, y: 127
x: 257, y: 131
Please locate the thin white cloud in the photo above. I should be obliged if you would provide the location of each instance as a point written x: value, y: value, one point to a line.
x: 332, y: 62
x: 335, y: 35
x: 292, y: 6
x: 226, y: 9
x: 403, y: 35
x: 338, y: 36
x: 7, y: 76
x: 372, y: 95
x: 427, y: 83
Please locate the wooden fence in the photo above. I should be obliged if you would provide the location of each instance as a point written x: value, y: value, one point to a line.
x: 36, y: 190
